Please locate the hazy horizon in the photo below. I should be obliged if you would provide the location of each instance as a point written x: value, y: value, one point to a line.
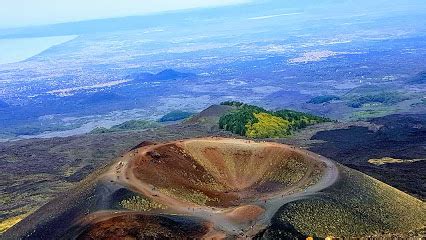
x: 48, y: 12
x: 224, y: 119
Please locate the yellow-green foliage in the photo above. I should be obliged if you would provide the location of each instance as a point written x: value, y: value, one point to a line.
x: 138, y: 203
x: 267, y: 126
x: 192, y: 196
x: 9, y: 222
x: 387, y: 160
x: 211, y: 184
x: 339, y: 221
x: 357, y: 205
x: 240, y: 120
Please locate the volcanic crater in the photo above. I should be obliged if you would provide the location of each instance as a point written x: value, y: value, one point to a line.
x: 235, y: 185
x: 224, y: 172
x: 222, y: 187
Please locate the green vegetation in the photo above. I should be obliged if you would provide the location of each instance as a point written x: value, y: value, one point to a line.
x: 175, y: 116
x: 237, y: 121
x: 385, y: 98
x: 256, y: 122
x: 299, y: 120
x: 323, y: 99
x: 189, y: 195
x: 126, y: 126
x: 101, y: 130
x: 138, y: 203
x: 135, y: 125
x: 357, y: 205
x: 287, y: 172
x: 268, y: 125
x: 366, y: 114
x: 389, y: 160
x: 232, y: 103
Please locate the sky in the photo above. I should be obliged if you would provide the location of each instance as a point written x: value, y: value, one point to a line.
x: 21, y: 13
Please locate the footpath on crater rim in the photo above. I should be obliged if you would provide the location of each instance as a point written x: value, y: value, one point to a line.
x: 223, y: 187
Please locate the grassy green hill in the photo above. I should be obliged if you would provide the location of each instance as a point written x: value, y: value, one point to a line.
x: 126, y: 126
x: 175, y: 116
x: 256, y: 122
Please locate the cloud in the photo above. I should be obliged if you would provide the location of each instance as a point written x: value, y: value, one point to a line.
x: 36, y: 12
x: 274, y: 16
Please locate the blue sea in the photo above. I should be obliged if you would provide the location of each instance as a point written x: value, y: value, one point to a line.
x: 20, y: 49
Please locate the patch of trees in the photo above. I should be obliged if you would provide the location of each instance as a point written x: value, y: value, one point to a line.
x: 256, y: 122
x: 419, y: 78
x: 386, y: 98
x: 236, y: 121
x: 175, y: 116
x: 268, y: 126
x: 126, y: 126
x: 232, y: 103
x: 300, y: 120
x: 323, y: 99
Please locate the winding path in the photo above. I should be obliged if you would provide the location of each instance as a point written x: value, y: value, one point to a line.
x: 122, y: 173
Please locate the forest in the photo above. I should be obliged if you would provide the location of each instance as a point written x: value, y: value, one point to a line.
x: 256, y: 122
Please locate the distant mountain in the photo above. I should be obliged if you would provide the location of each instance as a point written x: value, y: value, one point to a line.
x: 418, y: 79
x: 175, y: 116
x: 167, y: 74
x: 323, y: 99
x: 366, y: 89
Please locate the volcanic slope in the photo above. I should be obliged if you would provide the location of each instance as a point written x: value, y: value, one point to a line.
x: 219, y: 187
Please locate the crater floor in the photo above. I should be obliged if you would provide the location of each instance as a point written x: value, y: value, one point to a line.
x: 234, y: 186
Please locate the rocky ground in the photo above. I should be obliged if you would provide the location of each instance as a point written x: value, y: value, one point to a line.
x: 223, y: 188
x: 354, y: 143
x: 38, y: 170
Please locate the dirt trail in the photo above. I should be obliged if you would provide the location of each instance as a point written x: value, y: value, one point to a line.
x: 224, y: 219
